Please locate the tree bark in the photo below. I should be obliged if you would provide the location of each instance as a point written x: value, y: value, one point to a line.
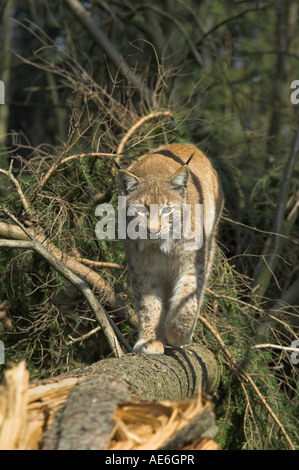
x: 281, y: 111
x: 86, y: 419
x: 5, y: 76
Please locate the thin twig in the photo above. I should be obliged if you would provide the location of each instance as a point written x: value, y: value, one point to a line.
x: 276, y: 346
x: 17, y: 185
x: 255, y: 229
x: 226, y: 352
x: 242, y: 302
x: 83, y: 337
x: 84, y: 155
x: 17, y: 222
x: 101, y: 264
x: 228, y: 20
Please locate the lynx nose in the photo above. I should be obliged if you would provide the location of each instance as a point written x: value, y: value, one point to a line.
x: 153, y: 232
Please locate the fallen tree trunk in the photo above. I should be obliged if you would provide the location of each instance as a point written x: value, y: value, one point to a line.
x: 98, y: 404
x: 86, y: 420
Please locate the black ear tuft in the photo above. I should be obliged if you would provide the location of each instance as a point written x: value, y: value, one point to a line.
x: 189, y: 159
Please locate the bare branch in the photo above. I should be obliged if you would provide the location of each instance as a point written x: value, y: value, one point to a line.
x: 100, y: 313
x: 29, y: 211
x: 84, y: 155
x: 101, y: 264
x: 104, y: 290
x: 83, y: 337
x: 25, y: 244
x: 138, y: 124
x: 228, y: 20
x: 276, y: 346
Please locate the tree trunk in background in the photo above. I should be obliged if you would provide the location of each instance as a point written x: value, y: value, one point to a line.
x: 285, y: 29
x: 5, y: 69
x: 60, y: 113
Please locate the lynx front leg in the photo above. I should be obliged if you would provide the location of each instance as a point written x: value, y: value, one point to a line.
x: 150, y: 329
x: 181, y: 318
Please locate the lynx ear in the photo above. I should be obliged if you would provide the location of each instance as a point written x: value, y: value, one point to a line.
x: 128, y: 180
x: 180, y: 179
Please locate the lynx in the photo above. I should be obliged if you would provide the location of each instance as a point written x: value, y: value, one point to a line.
x: 168, y: 269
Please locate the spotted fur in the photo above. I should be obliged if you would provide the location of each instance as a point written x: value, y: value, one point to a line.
x: 167, y: 279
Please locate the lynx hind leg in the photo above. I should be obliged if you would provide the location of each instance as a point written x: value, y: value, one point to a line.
x: 180, y: 324
x: 177, y: 336
x: 152, y: 346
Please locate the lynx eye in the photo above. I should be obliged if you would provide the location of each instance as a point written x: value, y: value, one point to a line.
x: 167, y: 210
x: 140, y: 209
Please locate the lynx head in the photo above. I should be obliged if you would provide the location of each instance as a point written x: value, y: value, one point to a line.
x: 154, y: 207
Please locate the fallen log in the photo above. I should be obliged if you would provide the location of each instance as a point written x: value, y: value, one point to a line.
x: 110, y: 404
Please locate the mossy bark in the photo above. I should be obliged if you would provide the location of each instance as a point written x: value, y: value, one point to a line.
x: 86, y: 420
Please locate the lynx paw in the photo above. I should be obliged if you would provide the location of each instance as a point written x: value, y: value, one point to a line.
x: 152, y: 346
